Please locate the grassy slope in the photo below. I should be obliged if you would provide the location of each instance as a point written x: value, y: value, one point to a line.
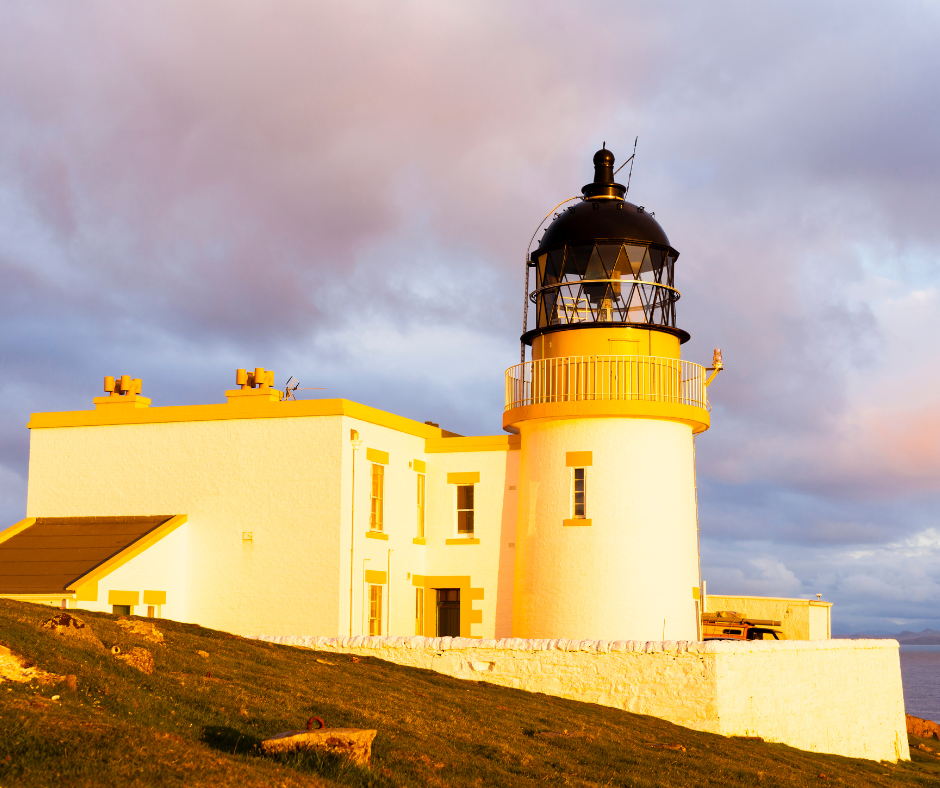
x: 178, y: 727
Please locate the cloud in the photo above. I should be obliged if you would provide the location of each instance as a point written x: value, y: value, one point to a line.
x: 761, y: 575
x: 343, y: 191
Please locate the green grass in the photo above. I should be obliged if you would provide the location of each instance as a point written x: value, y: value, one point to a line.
x: 178, y: 727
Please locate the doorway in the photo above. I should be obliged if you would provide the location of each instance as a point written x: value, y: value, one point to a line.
x: 448, y: 612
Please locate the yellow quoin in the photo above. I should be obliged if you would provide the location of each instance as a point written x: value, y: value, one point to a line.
x: 266, y: 514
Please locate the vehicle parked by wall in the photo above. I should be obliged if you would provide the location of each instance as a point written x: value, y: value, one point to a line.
x: 730, y: 625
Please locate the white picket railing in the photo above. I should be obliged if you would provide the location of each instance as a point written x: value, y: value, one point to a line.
x: 606, y: 378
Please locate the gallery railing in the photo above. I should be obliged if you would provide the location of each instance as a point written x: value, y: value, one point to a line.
x: 606, y: 378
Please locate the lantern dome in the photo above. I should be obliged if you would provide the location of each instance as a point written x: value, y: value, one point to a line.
x: 603, y: 215
x: 604, y: 262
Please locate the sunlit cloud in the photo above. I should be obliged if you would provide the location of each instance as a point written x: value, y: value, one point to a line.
x: 344, y: 192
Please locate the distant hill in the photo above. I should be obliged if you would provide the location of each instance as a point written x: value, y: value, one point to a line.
x: 927, y: 637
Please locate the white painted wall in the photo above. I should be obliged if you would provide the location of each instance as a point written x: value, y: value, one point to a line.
x: 400, y: 527
x: 491, y: 563
x: 837, y: 696
x: 162, y: 567
x: 820, y: 622
x: 277, y: 478
x: 288, y: 481
x: 631, y: 573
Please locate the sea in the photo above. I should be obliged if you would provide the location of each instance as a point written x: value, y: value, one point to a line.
x: 920, y: 673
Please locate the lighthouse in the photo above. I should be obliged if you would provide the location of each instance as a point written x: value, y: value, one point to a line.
x: 607, y: 410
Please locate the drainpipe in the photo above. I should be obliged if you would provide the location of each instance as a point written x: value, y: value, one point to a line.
x: 388, y: 580
x: 356, y: 443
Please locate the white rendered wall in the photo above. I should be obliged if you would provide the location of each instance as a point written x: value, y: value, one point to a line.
x: 630, y: 574
x: 287, y: 481
x: 820, y: 624
x: 162, y: 567
x: 276, y: 478
x: 837, y: 696
x: 400, y: 525
x: 491, y: 563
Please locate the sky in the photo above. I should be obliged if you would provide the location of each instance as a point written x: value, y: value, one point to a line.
x: 344, y: 192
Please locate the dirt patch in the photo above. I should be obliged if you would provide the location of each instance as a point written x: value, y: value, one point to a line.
x: 142, y: 628
x: 18, y: 669
x: 68, y: 626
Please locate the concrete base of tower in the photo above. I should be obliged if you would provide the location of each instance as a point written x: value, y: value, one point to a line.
x: 625, y: 567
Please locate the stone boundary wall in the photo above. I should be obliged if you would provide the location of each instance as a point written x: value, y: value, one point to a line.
x: 832, y: 696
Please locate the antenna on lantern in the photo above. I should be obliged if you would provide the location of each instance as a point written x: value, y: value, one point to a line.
x: 630, y: 161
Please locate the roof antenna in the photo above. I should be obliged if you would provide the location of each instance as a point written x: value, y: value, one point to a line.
x: 631, y: 168
x: 604, y: 146
x: 627, y: 161
x: 289, y: 389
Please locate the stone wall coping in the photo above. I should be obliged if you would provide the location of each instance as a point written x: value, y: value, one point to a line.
x: 562, y: 644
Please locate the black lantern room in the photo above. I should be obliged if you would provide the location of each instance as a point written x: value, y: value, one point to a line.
x: 604, y: 263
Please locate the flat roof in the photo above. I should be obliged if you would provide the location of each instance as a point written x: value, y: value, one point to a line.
x: 437, y: 440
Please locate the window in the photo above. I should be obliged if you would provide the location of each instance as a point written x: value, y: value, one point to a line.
x: 121, y: 610
x: 579, y: 494
x: 761, y: 634
x: 376, y: 517
x: 420, y: 505
x: 375, y: 610
x: 448, y: 612
x: 465, y: 509
x: 419, y: 611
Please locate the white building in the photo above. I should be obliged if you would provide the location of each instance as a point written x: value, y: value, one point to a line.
x: 267, y: 514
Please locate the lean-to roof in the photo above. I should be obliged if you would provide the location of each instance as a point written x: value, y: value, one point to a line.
x: 53, y: 552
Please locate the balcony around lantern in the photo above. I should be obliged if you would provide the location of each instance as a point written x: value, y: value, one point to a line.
x: 607, y: 386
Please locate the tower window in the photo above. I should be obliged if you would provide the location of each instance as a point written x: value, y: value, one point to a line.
x: 376, y: 516
x: 579, y: 494
x: 465, y: 509
x: 420, y: 505
x: 375, y: 610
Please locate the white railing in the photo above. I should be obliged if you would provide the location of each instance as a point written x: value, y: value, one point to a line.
x: 606, y: 378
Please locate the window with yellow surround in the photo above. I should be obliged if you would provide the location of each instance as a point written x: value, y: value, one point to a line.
x: 420, y: 505
x: 579, y: 493
x: 375, y: 610
x: 465, y: 510
x: 376, y: 516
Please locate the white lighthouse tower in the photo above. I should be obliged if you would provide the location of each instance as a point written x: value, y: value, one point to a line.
x: 607, y: 540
